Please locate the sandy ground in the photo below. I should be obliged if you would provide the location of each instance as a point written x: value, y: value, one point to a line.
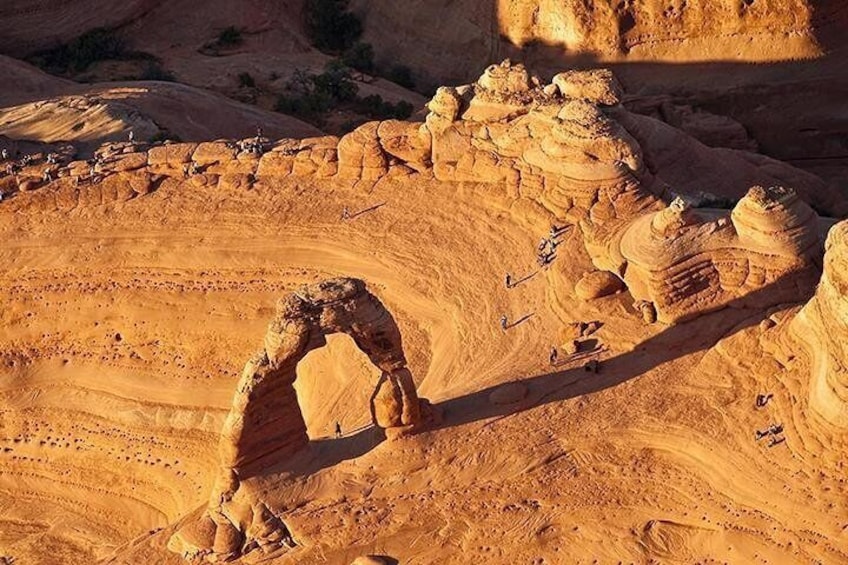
x: 125, y: 324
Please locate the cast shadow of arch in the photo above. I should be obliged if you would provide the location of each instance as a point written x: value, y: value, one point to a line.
x: 556, y: 386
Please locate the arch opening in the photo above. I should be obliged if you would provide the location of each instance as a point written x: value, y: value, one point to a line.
x: 266, y: 423
x: 334, y: 384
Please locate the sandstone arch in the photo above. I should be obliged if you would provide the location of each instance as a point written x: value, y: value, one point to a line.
x: 265, y: 418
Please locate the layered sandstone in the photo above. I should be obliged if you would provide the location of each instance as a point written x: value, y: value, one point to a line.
x: 465, y: 34
x: 822, y: 325
x: 265, y: 424
x: 688, y: 261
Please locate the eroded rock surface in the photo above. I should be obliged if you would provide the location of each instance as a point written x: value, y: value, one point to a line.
x: 265, y: 422
x: 686, y: 261
x: 822, y: 325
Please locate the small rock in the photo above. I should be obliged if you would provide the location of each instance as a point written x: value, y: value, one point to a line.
x: 597, y: 284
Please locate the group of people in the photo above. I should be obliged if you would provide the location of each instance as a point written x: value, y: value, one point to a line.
x: 255, y: 145
x: 546, y: 254
x: 546, y: 251
x: 773, y: 432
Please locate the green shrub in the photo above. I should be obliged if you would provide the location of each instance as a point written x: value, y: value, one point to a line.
x: 246, y: 80
x: 360, y: 56
x: 229, y: 37
x: 330, y: 26
x: 376, y: 108
x: 336, y: 82
x: 312, y: 96
x: 99, y: 44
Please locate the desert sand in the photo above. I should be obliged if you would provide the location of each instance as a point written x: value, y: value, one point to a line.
x: 549, y: 320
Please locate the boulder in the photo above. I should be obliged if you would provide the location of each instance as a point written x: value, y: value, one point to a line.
x: 597, y: 284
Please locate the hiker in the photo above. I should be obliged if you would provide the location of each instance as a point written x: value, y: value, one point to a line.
x: 556, y: 230
x: 338, y: 430
x: 775, y: 429
x: 131, y: 136
x: 47, y: 176
x: 92, y: 171
x: 543, y: 244
x: 545, y: 259
x: 258, y: 133
x: 508, y: 280
x: 760, y: 434
x: 554, y: 355
x: 4, y: 154
x: 193, y: 169
x: 762, y: 399
x: 345, y: 213
x: 504, y: 322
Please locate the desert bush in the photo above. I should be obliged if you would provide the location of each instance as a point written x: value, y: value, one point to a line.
x: 330, y: 26
x: 376, y: 108
x: 154, y: 71
x: 99, y: 44
x: 246, y: 80
x: 360, y: 56
x: 229, y: 37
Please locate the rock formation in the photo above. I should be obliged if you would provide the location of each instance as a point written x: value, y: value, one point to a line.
x: 571, y: 147
x: 685, y: 261
x: 265, y: 424
x: 822, y: 325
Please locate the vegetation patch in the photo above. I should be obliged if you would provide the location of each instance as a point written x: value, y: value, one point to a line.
x: 79, y: 54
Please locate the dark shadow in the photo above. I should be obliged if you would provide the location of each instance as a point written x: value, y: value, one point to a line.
x: 580, y: 356
x: 366, y: 210
x: 587, y: 345
x: 523, y: 279
x: 566, y: 383
x: 670, y: 344
x: 328, y: 452
x: 520, y: 320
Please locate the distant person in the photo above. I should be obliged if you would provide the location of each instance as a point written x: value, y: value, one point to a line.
x: 508, y: 280
x: 543, y: 244
x: 345, y: 213
x: 554, y: 355
x: 338, y: 430
x: 131, y: 136
x: 504, y: 322
x: 555, y: 231
x: 4, y: 154
x: 545, y: 259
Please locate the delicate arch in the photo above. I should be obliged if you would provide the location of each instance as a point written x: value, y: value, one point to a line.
x: 265, y: 418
